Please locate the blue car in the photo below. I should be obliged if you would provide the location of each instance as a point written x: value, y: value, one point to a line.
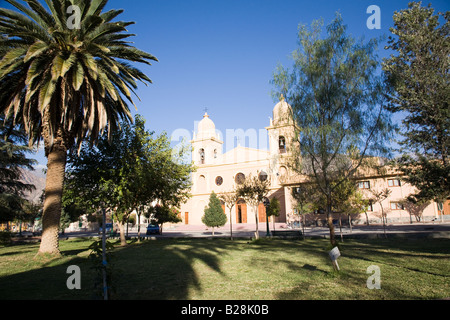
x: 153, y: 229
x: 108, y: 228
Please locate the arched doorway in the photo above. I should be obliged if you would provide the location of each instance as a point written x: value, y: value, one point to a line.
x: 241, y: 211
x: 261, y: 213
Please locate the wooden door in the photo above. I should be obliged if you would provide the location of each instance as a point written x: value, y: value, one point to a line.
x: 241, y: 213
x: 261, y: 213
x: 446, y: 207
x: 186, y: 218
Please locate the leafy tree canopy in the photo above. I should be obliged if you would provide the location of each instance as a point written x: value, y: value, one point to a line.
x: 336, y: 93
x: 418, y: 74
x: 214, y: 215
x: 135, y: 169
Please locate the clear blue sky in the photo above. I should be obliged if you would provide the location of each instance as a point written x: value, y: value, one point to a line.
x: 220, y: 54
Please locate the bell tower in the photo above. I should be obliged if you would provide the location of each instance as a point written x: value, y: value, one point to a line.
x: 206, y: 146
x: 283, y: 141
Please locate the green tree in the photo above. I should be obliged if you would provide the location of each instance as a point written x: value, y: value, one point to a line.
x: 65, y: 83
x: 273, y: 210
x: 418, y: 73
x: 230, y: 199
x: 214, y: 216
x: 349, y: 201
x: 415, y: 208
x: 336, y: 94
x: 378, y: 196
x: 305, y: 197
x: 129, y: 173
x: 163, y: 214
x: 253, y: 190
x: 13, y: 160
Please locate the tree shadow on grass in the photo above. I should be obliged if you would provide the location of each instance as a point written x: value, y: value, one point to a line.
x: 410, y: 254
x: 151, y: 270
x: 44, y: 283
x: 168, y: 269
x: 405, y: 271
x: 164, y: 269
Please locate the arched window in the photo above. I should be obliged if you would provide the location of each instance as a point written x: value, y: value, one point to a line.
x: 215, y: 153
x: 202, y: 156
x: 201, y: 186
x: 282, y: 144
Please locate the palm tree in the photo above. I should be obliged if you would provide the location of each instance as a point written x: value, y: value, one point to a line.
x: 65, y: 77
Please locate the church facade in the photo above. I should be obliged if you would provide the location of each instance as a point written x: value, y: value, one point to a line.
x: 220, y: 172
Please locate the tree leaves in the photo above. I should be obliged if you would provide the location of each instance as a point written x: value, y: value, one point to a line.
x: 133, y: 169
x: 418, y: 75
x: 336, y: 96
x: 82, y: 72
x: 214, y: 216
x: 35, y: 49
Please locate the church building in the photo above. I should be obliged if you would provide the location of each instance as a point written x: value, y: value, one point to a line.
x: 220, y: 172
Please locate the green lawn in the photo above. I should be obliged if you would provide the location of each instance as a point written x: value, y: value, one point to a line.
x: 222, y: 269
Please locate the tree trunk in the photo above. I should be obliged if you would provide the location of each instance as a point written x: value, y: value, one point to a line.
x: 139, y: 225
x: 303, y: 220
x: 56, y: 165
x: 231, y: 223
x: 383, y: 220
x: 123, y: 241
x: 257, y: 223
x: 330, y: 223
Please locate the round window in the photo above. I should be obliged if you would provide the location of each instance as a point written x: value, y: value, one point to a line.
x: 219, y: 180
x: 240, y: 178
x: 262, y: 176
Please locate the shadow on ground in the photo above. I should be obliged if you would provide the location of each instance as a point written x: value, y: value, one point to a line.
x: 167, y: 269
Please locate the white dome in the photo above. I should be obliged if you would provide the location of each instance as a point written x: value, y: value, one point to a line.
x: 206, y: 128
x: 282, y: 112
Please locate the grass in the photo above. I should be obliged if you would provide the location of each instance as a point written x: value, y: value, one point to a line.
x: 221, y: 269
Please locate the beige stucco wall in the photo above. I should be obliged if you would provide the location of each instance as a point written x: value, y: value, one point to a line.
x: 251, y: 161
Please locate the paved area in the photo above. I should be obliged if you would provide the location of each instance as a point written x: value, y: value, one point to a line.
x: 248, y: 230
x: 435, y: 230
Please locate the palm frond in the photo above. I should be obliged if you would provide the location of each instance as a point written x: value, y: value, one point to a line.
x: 62, y: 81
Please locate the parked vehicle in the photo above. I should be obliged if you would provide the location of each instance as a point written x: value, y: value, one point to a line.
x: 108, y: 228
x: 153, y: 229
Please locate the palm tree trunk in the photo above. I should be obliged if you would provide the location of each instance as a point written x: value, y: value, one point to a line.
x: 56, y: 165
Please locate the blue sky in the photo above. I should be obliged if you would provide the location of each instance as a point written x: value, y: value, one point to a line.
x: 220, y: 54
